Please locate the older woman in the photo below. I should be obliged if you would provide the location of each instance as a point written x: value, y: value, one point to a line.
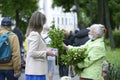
x: 92, y: 64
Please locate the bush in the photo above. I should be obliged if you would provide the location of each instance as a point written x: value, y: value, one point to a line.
x: 113, y: 72
x: 113, y: 56
x: 116, y: 36
x: 107, y: 42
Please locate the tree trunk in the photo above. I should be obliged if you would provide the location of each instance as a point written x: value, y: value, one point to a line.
x: 78, y: 13
x: 101, y: 11
x: 91, y: 5
x: 107, y: 18
x: 17, y: 18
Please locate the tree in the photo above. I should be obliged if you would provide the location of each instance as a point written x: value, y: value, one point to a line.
x: 105, y: 20
x: 114, y: 9
x: 107, y: 14
x: 100, y: 11
x: 84, y: 7
x: 20, y: 10
x: 68, y: 4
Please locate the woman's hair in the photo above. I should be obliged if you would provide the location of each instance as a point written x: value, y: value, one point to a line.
x: 99, y: 29
x: 36, y: 22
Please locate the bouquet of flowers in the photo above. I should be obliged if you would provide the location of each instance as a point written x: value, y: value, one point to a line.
x: 73, y: 57
x: 56, y: 36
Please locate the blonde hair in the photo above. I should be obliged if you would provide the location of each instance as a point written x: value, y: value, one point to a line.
x: 36, y: 22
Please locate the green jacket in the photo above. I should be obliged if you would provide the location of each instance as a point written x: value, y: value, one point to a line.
x: 92, y: 64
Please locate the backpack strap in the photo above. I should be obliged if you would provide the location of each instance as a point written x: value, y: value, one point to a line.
x: 10, y: 32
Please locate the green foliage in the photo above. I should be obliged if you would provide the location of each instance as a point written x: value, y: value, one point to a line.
x: 8, y: 8
x: 56, y: 36
x: 114, y: 56
x: 73, y: 57
x: 23, y: 26
x: 116, y: 18
x: 24, y: 8
x: 114, y: 6
x: 67, y: 4
x: 116, y: 35
x: 84, y: 5
x: 107, y: 42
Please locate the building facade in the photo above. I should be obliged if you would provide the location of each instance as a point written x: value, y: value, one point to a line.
x: 64, y: 20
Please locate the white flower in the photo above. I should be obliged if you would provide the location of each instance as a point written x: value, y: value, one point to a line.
x: 76, y: 53
x: 74, y: 58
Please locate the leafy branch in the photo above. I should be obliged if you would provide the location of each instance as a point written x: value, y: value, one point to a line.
x: 73, y: 57
x: 57, y: 37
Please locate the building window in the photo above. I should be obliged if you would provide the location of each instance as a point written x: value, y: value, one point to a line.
x: 58, y: 21
x: 53, y: 20
x: 62, y: 20
x: 66, y: 21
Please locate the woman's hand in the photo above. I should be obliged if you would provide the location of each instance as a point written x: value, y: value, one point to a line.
x: 50, y: 52
x: 65, y: 46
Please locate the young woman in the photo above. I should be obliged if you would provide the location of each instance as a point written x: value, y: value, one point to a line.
x: 36, y: 59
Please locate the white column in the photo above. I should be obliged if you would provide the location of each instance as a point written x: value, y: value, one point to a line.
x: 41, y: 6
x: 48, y: 12
x: 0, y: 18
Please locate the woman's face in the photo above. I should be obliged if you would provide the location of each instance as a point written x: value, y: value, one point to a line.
x: 93, y: 34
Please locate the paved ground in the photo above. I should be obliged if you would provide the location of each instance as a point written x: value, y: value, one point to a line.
x: 56, y: 75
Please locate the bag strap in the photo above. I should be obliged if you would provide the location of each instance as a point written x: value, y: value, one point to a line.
x: 10, y: 32
x: 46, y: 37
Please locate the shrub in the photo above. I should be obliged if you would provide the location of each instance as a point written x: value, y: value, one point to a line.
x: 113, y: 72
x: 113, y: 56
x: 116, y: 36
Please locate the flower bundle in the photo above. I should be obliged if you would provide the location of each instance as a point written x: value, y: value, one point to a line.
x: 56, y: 36
x: 73, y: 57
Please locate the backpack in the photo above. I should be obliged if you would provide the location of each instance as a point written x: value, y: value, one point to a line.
x: 5, y: 50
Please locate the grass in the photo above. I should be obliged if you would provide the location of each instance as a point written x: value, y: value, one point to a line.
x: 114, y: 56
